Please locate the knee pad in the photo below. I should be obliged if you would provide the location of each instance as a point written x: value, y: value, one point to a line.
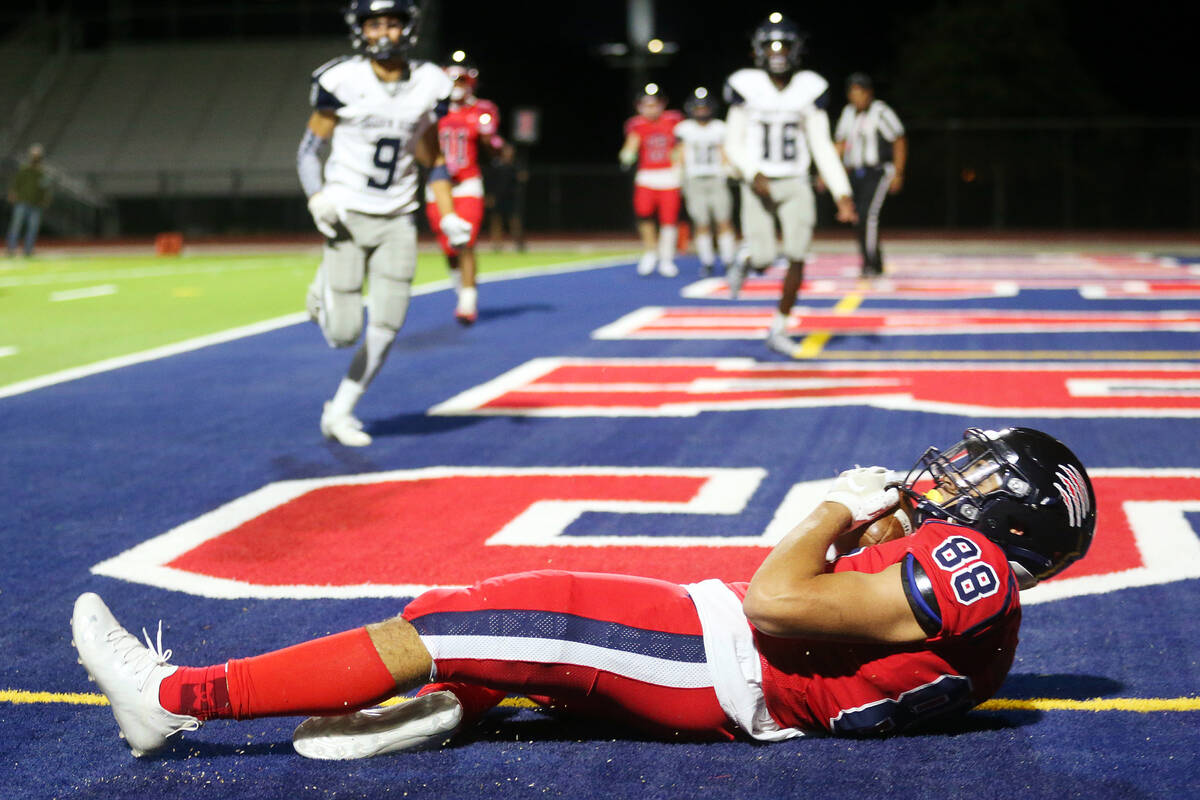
x: 342, y: 321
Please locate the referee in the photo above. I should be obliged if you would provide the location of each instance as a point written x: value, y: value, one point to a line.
x: 871, y: 141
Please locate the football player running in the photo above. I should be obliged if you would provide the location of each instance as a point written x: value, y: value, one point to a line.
x: 705, y: 190
x: 879, y: 641
x: 471, y: 124
x: 650, y: 144
x: 375, y: 114
x: 776, y: 128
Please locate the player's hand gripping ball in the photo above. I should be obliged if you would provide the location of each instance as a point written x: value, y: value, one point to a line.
x: 888, y: 527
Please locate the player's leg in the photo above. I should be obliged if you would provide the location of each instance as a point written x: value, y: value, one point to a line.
x: 875, y: 193
x: 758, y: 230
x: 644, y: 205
x: 391, y: 264
x: 797, y: 216
x: 618, y: 646
x: 335, y: 294
x: 721, y: 206
x: 153, y: 700
x: 669, y: 203
x: 470, y: 209
x: 695, y: 201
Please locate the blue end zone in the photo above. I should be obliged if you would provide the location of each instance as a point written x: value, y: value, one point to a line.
x: 98, y: 465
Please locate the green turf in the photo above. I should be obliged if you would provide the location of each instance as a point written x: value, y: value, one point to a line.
x: 153, y: 301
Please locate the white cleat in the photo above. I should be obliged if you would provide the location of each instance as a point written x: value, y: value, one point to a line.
x: 735, y: 276
x: 425, y: 721
x: 667, y: 269
x: 345, y: 429
x: 128, y: 673
x: 781, y: 344
x: 646, y: 264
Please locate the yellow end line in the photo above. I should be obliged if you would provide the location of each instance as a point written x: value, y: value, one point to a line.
x: 1011, y: 355
x: 1135, y: 704
x: 812, y: 344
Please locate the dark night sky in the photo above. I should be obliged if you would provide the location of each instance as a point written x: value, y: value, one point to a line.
x: 542, y: 53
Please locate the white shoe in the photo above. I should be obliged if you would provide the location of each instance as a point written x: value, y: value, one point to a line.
x: 646, y: 264
x: 735, y: 276
x: 667, y: 269
x: 428, y: 720
x: 345, y: 429
x: 128, y: 673
x: 781, y: 344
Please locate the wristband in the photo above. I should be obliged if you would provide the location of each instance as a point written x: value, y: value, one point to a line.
x: 439, y: 173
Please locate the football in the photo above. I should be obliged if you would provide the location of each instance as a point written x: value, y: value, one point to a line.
x: 884, y: 529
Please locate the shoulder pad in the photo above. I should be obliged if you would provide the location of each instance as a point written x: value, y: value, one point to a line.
x: 333, y: 62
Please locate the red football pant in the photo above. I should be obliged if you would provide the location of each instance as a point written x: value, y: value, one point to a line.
x: 469, y: 208
x: 666, y: 202
x: 611, y: 646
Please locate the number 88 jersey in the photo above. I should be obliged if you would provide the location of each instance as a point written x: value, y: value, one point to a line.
x: 776, y: 118
x: 965, y: 596
x: 372, y: 164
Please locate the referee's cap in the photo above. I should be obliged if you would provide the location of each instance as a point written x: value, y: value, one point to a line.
x: 860, y: 79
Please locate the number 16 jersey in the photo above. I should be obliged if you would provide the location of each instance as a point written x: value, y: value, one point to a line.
x: 372, y: 161
x: 776, y: 118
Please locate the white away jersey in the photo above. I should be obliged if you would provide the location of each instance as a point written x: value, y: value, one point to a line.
x: 701, y: 147
x: 372, y: 163
x: 775, y: 132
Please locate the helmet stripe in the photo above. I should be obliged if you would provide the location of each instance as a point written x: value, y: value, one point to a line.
x: 1072, y: 489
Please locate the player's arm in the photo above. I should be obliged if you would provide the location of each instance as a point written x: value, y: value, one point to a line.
x: 829, y: 164
x: 629, y: 151
x: 792, y: 595
x: 429, y: 154
x: 314, y: 143
x: 899, y: 161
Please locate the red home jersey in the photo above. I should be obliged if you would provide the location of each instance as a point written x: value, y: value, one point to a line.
x: 459, y: 133
x: 657, y: 139
x: 960, y: 583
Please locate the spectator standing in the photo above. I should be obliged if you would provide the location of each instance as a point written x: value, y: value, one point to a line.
x: 29, y: 194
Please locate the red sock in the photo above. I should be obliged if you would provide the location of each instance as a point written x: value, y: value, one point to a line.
x: 475, y: 700
x: 331, y: 675
x: 200, y: 692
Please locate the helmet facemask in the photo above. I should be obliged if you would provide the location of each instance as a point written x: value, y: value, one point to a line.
x: 1037, y: 504
x: 384, y: 48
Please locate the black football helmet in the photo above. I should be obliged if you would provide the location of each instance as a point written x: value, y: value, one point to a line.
x: 1019, y: 487
x: 778, y: 45
x: 700, y: 105
x: 359, y: 11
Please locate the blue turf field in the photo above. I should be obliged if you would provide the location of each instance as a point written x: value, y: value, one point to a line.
x: 98, y: 465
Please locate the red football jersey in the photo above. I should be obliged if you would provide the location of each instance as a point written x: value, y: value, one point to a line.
x: 857, y: 689
x: 657, y: 138
x: 459, y: 133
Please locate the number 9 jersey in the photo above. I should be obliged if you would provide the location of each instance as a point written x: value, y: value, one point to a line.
x: 372, y: 161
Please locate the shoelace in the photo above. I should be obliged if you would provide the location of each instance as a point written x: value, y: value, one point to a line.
x: 144, y: 658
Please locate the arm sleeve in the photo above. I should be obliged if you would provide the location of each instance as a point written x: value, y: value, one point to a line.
x: 889, y: 124
x: 816, y: 127
x: 735, y: 144
x: 308, y: 162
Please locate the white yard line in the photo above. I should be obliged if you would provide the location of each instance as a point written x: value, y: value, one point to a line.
x: 8, y: 351
x: 266, y: 326
x: 84, y: 293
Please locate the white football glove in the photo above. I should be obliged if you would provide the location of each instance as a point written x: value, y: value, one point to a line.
x: 862, y: 491
x: 627, y: 158
x: 456, y: 229
x: 324, y: 213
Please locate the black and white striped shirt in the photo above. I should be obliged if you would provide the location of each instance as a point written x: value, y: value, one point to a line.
x: 868, y: 134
